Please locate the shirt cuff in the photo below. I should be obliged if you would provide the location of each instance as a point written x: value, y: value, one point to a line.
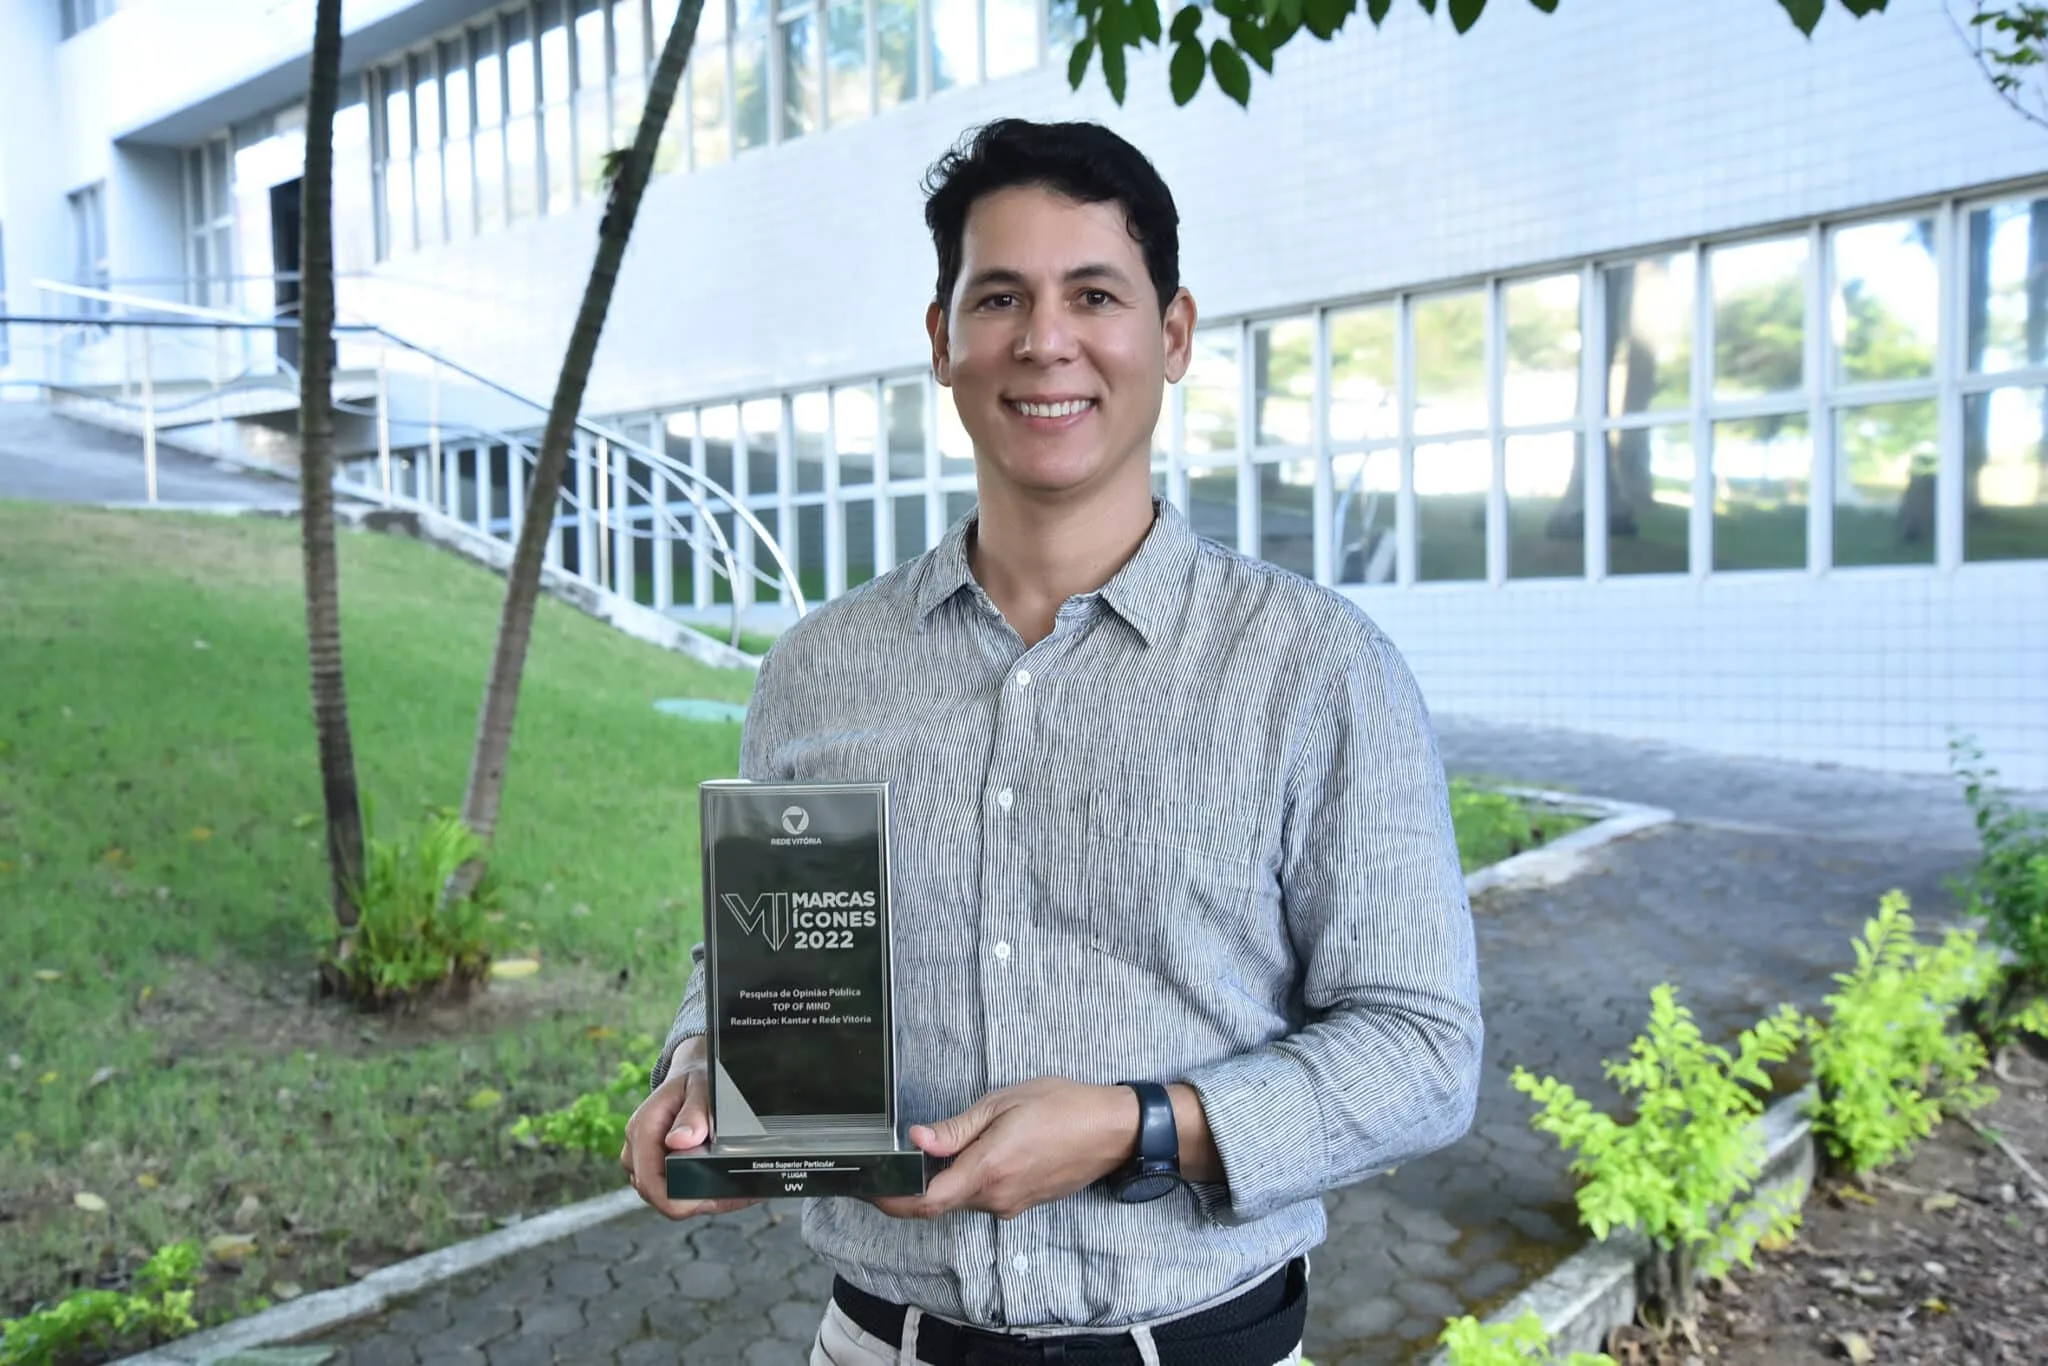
x: 1267, y: 1126
x: 689, y: 1021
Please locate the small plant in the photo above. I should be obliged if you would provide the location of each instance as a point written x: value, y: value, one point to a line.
x: 1472, y: 1343
x: 594, y: 1122
x: 160, y: 1306
x: 1493, y: 825
x: 2007, y: 892
x: 1673, y: 1173
x: 1887, y: 1062
x: 412, y: 939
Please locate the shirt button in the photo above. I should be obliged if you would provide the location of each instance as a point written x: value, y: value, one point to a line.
x: 1004, y: 798
x: 1021, y: 1262
x: 1023, y: 678
x: 1002, y: 949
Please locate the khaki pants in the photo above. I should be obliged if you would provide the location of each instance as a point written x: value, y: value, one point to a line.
x: 842, y: 1343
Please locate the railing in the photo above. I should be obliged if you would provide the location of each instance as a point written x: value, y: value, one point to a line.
x: 163, y: 367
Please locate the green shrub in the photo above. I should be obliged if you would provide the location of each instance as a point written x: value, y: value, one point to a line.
x: 595, y: 1122
x: 1674, y: 1171
x: 1494, y: 825
x: 2008, y: 890
x: 1887, y: 1062
x: 160, y: 1306
x: 411, y: 940
x: 1469, y: 1342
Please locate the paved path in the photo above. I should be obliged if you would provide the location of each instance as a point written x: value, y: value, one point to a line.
x: 1749, y: 900
x: 45, y: 458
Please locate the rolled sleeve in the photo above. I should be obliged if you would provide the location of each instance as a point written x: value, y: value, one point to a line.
x: 1386, y: 1067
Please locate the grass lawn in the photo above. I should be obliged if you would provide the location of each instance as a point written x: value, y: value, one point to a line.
x: 163, y: 896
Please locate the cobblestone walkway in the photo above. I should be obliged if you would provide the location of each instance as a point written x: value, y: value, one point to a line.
x: 1749, y: 900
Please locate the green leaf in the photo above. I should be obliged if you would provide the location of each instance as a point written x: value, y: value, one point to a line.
x: 1113, y: 72
x: 1429, y: 6
x: 1146, y: 13
x: 1859, y: 8
x: 1377, y: 10
x: 1805, y: 13
x: 1324, y: 17
x: 1550, y: 6
x: 1465, y: 13
x: 1186, y: 70
x: 1077, y: 62
x: 1232, y: 74
x: 1252, y: 41
x: 1188, y: 23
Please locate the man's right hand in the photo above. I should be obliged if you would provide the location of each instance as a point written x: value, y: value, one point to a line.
x: 675, y: 1118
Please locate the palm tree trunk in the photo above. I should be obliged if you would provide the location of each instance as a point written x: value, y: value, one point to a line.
x: 522, y: 583
x: 316, y: 470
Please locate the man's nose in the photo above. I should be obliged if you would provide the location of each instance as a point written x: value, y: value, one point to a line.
x: 1046, y: 336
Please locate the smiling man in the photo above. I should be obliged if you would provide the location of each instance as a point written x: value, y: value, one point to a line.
x: 1182, y: 941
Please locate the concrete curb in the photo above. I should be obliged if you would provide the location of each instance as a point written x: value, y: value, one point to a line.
x: 1595, y: 1290
x: 1565, y: 857
x: 313, y: 1313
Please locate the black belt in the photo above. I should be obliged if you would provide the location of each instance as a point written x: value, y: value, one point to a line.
x: 1256, y: 1328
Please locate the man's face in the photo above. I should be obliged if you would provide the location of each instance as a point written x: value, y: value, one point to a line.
x: 1054, y: 346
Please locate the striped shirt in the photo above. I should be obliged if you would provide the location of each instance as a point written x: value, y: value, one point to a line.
x: 1199, y: 833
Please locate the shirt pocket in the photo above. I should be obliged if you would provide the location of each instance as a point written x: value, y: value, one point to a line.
x: 1172, y: 881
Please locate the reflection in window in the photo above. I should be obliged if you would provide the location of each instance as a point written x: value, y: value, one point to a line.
x: 1546, y: 517
x: 1451, y: 478
x: 2008, y: 287
x: 1284, y: 380
x: 857, y: 534
x: 1649, y: 500
x: 802, y: 106
x: 1012, y: 36
x: 1649, y: 334
x: 1450, y: 363
x: 1363, y: 491
x: 1761, y: 467
x: 853, y: 432
x: 1287, y: 515
x: 1212, y: 501
x: 956, y: 43
x: 1887, y: 301
x: 904, y: 401
x: 808, y: 413
x: 911, y: 540
x: 895, y: 52
x: 1363, y: 397
x: 1884, y: 484
x: 1759, y: 317
x: 846, y: 61
x: 2005, y: 475
x: 1542, y: 379
x: 1213, y: 386
x: 810, y: 551
x: 749, y: 93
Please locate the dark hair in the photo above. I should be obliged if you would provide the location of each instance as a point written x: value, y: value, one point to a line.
x: 1084, y: 162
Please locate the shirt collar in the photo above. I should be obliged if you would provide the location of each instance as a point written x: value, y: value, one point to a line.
x: 1144, y: 592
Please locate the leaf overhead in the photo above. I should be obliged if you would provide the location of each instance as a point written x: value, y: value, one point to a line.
x: 1189, y: 62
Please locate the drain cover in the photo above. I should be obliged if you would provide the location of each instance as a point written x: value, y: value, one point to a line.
x: 701, y: 709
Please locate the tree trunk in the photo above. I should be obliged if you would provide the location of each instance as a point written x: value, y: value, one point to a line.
x: 522, y: 583
x: 316, y: 471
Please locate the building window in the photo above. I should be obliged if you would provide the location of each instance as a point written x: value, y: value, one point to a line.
x: 89, y: 243
x: 80, y: 15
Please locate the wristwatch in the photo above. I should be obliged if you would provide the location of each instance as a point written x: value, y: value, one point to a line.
x: 1155, y: 1169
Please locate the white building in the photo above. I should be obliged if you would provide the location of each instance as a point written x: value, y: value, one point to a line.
x: 1796, y: 291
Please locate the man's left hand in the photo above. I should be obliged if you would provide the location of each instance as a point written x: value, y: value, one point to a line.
x: 1023, y: 1146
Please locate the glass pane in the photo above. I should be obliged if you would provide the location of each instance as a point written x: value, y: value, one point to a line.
x: 853, y: 432
x: 747, y: 12
x: 398, y: 217
x: 455, y: 91
x: 490, y: 79
x: 1287, y: 515
x: 1761, y: 467
x: 1063, y: 27
x: 1759, y: 317
x: 561, y: 164
x: 1212, y: 502
x: 1284, y: 380
x: 455, y: 186
x: 810, y: 551
x: 1884, y: 484
x: 631, y: 55
x: 2005, y: 475
x: 710, y: 143
x: 397, y: 124
x: 1542, y: 379
x: 750, y: 92
x: 1450, y: 509
x: 768, y: 586
x: 522, y: 154
x: 355, y: 211
x: 1649, y: 500
x: 490, y: 178
x: 1546, y: 511
x: 1649, y: 334
x: 801, y: 110
x: 956, y: 447
x: 905, y: 402
x: 857, y: 534
x: 1012, y: 36
x: 1887, y: 301
x: 895, y: 51
x: 676, y: 431
x: 518, y: 65
x: 1362, y: 389
x: 426, y: 103
x: 909, y: 518
x: 762, y: 419
x: 808, y: 412
x: 1214, y: 386
x: 956, y: 43
x: 590, y: 62
x: 846, y: 61
x: 554, y: 54
x: 1450, y: 363
x: 593, y: 139
x: 721, y: 432
x: 2008, y: 287
x: 1363, y: 490
x: 426, y: 188
x: 959, y: 503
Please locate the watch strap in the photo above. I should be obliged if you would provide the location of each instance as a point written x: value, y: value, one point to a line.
x: 1158, y: 1136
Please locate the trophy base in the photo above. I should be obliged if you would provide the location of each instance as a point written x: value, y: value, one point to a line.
x: 860, y: 1162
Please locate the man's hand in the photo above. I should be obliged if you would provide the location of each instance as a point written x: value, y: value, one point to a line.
x: 675, y: 1118
x: 1023, y: 1146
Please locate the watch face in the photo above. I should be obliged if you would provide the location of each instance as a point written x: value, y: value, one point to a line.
x: 1146, y: 1186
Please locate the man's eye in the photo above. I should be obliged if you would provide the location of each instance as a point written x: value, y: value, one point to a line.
x: 1096, y: 298
x: 999, y: 301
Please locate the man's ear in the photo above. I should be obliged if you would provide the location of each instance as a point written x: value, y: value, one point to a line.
x: 942, y: 343
x: 1179, y: 327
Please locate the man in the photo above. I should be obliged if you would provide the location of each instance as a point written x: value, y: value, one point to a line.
x: 1180, y: 928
